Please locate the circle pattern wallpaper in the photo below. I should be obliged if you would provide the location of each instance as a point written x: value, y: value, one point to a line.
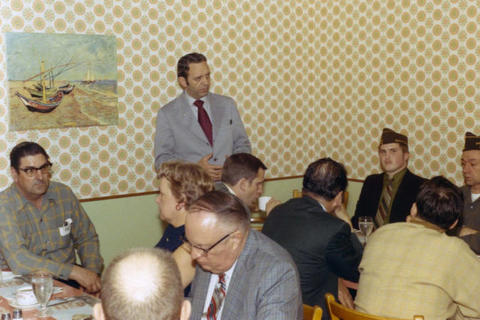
x: 311, y: 79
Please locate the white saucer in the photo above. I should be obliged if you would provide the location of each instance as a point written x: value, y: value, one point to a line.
x: 8, y: 275
x: 24, y: 306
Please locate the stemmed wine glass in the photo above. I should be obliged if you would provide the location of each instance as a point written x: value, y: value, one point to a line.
x: 366, y: 226
x: 42, y: 283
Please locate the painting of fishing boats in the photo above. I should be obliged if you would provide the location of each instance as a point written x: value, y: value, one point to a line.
x: 61, y: 80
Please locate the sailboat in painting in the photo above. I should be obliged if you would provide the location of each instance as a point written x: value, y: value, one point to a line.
x: 90, y: 77
x: 45, y: 96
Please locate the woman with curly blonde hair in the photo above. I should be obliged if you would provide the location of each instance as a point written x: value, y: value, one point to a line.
x: 180, y: 184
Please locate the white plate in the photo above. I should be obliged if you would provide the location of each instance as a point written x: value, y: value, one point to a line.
x: 23, y: 306
x: 8, y: 275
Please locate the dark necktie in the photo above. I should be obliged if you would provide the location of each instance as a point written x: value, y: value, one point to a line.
x: 384, y: 205
x: 217, y: 298
x: 204, y: 120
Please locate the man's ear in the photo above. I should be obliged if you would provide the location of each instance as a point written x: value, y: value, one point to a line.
x: 14, y: 174
x: 98, y: 313
x: 414, y: 210
x: 186, y: 310
x: 182, y: 82
x: 243, y: 184
x: 338, y: 199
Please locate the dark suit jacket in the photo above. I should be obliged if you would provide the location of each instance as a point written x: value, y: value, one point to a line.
x: 264, y: 284
x: 367, y: 204
x: 321, y: 245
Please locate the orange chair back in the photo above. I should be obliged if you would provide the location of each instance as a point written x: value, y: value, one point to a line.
x: 312, y: 313
x: 339, y: 312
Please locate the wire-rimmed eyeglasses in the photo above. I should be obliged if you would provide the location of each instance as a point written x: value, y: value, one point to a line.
x: 205, y: 251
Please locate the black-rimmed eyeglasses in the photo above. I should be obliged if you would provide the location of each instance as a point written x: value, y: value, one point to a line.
x: 205, y: 251
x: 32, y: 171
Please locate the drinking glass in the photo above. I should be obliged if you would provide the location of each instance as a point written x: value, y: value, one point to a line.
x: 42, y: 283
x: 366, y: 226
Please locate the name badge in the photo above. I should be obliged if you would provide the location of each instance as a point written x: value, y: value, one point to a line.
x: 66, y: 228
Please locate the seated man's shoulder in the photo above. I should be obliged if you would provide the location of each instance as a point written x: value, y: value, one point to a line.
x: 374, y: 177
x: 60, y: 186
x: 418, y: 179
x: 62, y: 191
x: 267, y: 251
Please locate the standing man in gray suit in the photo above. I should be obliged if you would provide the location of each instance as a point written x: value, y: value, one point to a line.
x: 241, y: 274
x: 199, y: 126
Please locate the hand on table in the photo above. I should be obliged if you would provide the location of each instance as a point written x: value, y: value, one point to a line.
x: 214, y: 171
x: 86, y: 278
x: 344, y: 295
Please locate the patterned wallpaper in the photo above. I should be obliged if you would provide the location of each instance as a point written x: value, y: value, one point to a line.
x: 311, y: 77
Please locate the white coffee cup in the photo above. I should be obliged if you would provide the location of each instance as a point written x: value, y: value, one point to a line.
x: 25, y: 296
x: 262, y: 202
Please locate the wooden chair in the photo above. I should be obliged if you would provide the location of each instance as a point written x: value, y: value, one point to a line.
x: 339, y: 312
x: 312, y: 313
x: 296, y: 193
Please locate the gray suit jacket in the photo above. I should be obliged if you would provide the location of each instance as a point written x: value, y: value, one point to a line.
x: 179, y: 136
x: 264, y: 285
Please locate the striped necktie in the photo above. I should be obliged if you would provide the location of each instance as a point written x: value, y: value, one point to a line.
x: 217, y: 298
x: 382, y: 214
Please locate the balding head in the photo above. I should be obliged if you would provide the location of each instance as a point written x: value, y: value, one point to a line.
x: 142, y: 284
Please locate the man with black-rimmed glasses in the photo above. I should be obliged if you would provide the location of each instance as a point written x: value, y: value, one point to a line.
x: 241, y: 274
x: 42, y: 223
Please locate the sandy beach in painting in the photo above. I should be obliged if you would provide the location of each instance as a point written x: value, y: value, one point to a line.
x: 92, y: 104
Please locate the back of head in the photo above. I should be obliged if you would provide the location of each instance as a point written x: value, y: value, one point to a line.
x: 241, y: 165
x: 184, y: 63
x: 24, y: 149
x: 325, y: 178
x: 439, y: 202
x: 227, y: 208
x: 188, y: 181
x: 142, y: 284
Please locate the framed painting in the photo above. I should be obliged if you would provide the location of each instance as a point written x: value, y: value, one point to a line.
x: 61, y: 80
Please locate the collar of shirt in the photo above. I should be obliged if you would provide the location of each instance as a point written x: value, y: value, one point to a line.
x: 211, y: 286
x: 426, y: 224
x: 230, y: 189
x: 206, y: 105
x: 397, y: 180
x: 475, y: 196
x: 22, y: 201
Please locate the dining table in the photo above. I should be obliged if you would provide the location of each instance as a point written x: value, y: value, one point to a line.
x: 66, y: 302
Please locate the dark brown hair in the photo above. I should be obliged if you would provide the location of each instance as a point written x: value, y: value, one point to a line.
x: 241, y: 165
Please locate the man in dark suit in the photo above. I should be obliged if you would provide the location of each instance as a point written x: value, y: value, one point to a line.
x: 199, y: 126
x: 241, y: 274
x: 387, y: 197
x: 320, y: 243
x: 470, y: 231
